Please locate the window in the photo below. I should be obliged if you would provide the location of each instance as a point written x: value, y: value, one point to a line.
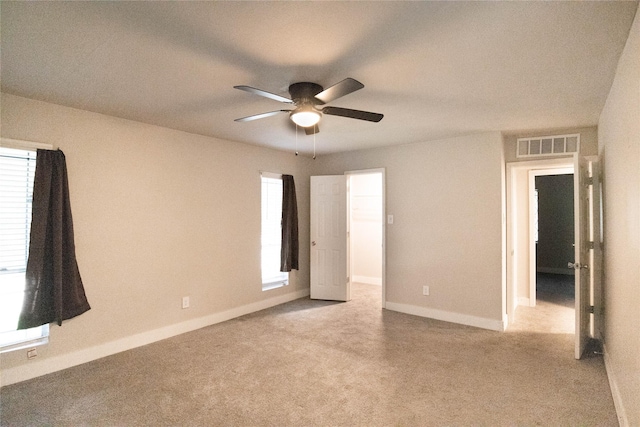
x: 272, y: 277
x: 17, y: 169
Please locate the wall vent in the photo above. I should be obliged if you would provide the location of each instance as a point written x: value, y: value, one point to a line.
x: 544, y: 146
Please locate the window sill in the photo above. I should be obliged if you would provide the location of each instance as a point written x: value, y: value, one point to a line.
x: 274, y: 285
x: 17, y: 340
x: 24, y: 344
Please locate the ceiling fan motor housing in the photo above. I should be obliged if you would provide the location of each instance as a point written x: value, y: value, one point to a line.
x: 305, y: 92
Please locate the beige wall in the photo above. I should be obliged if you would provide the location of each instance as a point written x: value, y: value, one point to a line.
x: 619, y: 136
x: 446, y: 199
x: 159, y: 214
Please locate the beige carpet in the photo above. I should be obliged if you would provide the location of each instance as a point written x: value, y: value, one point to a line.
x: 317, y: 363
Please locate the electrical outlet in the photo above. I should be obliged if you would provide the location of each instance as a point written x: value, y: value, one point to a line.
x: 425, y: 290
x: 185, y: 302
x: 31, y: 353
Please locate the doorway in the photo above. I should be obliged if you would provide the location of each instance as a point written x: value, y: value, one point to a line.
x: 521, y: 266
x: 366, y: 229
x: 553, y: 229
x: 552, y: 235
x: 522, y: 230
x: 331, y: 246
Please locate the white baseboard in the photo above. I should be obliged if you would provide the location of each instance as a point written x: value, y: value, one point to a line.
x: 367, y: 280
x: 447, y: 316
x: 523, y: 301
x: 46, y: 366
x: 615, y: 391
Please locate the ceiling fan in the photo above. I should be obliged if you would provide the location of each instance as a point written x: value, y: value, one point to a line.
x: 306, y: 98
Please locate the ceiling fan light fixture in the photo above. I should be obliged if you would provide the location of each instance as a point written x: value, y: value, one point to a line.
x: 305, y: 116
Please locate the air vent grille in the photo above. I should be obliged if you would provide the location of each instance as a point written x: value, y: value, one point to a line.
x: 544, y: 146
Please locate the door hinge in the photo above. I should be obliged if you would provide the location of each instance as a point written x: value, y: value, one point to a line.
x: 591, y: 245
x: 592, y: 309
x: 588, y: 181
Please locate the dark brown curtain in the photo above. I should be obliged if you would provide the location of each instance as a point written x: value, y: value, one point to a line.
x: 289, y: 250
x: 53, y: 288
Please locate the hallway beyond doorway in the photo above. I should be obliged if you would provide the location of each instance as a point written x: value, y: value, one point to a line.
x: 555, y: 306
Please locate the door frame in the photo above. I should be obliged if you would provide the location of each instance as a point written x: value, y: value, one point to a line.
x: 381, y: 171
x: 513, y: 239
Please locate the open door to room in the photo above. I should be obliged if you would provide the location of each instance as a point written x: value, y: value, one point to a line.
x: 347, y: 234
x: 365, y: 227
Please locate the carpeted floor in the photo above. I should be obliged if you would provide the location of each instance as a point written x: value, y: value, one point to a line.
x: 558, y: 289
x: 555, y: 306
x: 318, y: 363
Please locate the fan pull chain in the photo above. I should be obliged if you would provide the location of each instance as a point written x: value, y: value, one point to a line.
x: 314, y: 146
x: 296, y: 139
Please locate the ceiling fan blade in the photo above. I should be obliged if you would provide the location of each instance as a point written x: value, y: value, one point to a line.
x: 312, y: 130
x: 264, y: 93
x: 260, y: 116
x: 353, y: 114
x: 345, y: 87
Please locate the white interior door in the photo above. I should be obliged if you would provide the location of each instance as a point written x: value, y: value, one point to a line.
x: 329, y: 279
x: 580, y: 264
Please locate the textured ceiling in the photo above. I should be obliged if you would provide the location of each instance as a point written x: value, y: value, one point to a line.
x: 434, y: 69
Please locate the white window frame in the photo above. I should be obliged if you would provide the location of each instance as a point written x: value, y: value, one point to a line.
x: 16, y: 340
x: 271, y: 228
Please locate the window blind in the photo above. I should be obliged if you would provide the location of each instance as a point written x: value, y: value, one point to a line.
x: 17, y: 171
